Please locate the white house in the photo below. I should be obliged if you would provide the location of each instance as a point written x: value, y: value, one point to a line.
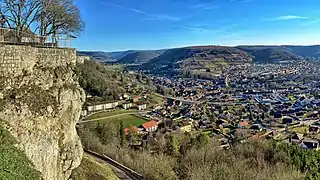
x: 126, y: 105
x: 100, y: 107
x: 150, y: 126
x: 142, y: 107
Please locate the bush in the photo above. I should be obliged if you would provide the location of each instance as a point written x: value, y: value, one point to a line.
x: 202, y: 159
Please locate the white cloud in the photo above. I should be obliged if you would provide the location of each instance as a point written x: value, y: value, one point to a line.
x: 240, y: 1
x: 162, y: 17
x: 149, y: 16
x: 193, y: 28
x: 205, y: 6
x: 287, y: 17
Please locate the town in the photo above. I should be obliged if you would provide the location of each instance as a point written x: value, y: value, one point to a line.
x: 242, y: 102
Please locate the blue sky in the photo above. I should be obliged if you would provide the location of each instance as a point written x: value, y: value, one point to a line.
x: 113, y: 25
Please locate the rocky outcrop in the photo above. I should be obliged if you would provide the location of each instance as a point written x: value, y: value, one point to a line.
x: 40, y: 103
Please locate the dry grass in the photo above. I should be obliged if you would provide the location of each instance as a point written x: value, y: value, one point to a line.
x: 92, y: 169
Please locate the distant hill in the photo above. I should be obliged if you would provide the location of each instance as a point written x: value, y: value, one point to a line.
x: 98, y: 55
x: 140, y: 57
x: 306, y: 51
x: 260, y: 54
x: 120, y: 54
x: 124, y: 57
x: 270, y: 54
x: 199, y: 57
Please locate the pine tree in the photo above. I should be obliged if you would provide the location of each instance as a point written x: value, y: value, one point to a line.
x: 172, y: 146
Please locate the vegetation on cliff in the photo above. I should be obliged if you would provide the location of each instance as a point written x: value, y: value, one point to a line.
x: 99, y: 81
x: 14, y: 164
x: 106, y: 83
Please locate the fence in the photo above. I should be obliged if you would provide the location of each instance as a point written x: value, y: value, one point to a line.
x: 13, y: 36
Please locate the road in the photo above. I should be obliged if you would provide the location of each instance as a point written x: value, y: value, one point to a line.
x: 122, y: 172
x: 197, y: 102
x: 108, y: 117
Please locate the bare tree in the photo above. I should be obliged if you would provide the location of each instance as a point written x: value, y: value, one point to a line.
x: 60, y: 17
x: 45, y: 17
x: 19, y: 14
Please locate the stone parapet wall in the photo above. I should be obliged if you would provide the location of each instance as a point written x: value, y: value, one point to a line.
x: 15, y: 60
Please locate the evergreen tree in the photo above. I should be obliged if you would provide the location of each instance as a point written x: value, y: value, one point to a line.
x: 201, y: 140
x: 172, y: 146
x: 132, y: 134
x: 122, y: 135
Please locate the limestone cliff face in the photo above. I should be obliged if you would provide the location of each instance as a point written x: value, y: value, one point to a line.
x: 40, y: 103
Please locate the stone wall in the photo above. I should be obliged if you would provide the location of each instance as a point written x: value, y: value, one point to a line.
x: 82, y: 59
x: 15, y: 59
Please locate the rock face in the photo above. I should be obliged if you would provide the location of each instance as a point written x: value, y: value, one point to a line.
x: 40, y: 103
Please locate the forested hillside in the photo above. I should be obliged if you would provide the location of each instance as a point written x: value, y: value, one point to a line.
x: 139, y: 57
x: 196, y: 58
x: 106, y: 83
x: 270, y: 54
x: 97, y: 80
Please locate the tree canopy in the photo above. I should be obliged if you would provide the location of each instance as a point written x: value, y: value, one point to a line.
x: 42, y: 17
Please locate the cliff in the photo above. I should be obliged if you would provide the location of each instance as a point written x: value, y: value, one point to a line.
x: 40, y: 103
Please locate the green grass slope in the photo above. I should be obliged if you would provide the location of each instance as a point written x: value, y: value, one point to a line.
x: 14, y: 164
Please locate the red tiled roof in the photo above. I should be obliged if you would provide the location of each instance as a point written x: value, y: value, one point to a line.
x: 149, y: 124
x: 243, y: 123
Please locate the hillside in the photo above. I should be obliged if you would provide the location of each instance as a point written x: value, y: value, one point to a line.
x: 306, y: 51
x: 105, y: 82
x: 139, y: 57
x: 98, y: 55
x: 270, y: 54
x: 96, y: 80
x: 260, y: 54
x: 200, y: 57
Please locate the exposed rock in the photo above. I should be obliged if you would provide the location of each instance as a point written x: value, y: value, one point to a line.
x: 41, y: 103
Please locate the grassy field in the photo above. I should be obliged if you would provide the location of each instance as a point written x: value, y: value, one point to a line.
x: 110, y: 113
x: 92, y: 169
x: 128, y: 120
x: 116, y: 117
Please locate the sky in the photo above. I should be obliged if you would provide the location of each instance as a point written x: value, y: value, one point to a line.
x: 115, y: 25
